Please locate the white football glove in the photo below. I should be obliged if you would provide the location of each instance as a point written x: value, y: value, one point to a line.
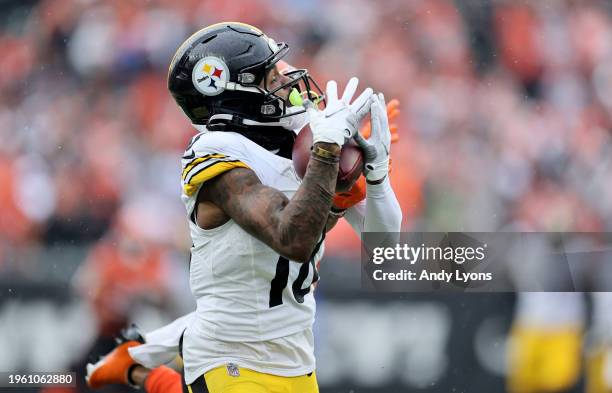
x: 340, y: 119
x: 378, y: 146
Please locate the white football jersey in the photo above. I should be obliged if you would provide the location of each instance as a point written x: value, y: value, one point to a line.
x: 255, y: 308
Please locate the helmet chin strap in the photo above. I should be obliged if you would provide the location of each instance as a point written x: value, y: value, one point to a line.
x: 227, y: 120
x: 247, y: 122
x: 279, y: 140
x: 292, y: 121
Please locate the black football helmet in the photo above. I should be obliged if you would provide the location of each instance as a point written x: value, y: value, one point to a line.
x: 215, y: 78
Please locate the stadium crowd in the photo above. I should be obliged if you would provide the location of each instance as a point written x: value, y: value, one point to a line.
x: 505, y: 121
x: 508, y: 126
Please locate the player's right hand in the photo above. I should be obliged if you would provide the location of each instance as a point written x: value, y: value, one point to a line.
x: 340, y: 119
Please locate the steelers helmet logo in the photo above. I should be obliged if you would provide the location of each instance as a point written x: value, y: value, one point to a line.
x: 210, y: 75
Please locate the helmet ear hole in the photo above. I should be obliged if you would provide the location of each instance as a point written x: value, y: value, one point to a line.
x: 201, y: 112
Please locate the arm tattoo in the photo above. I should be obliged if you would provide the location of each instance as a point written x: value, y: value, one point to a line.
x: 290, y: 227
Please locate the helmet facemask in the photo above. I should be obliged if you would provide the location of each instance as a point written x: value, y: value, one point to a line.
x: 284, y: 110
x: 300, y: 85
x: 287, y: 109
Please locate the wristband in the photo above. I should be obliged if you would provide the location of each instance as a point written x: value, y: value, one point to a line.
x: 376, y: 182
x: 323, y: 153
x: 325, y: 160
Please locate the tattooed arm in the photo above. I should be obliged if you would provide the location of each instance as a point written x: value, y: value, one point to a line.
x: 290, y: 227
x: 293, y: 227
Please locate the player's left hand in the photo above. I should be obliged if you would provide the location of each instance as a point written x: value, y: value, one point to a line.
x: 345, y: 200
x: 378, y: 147
x: 393, y: 110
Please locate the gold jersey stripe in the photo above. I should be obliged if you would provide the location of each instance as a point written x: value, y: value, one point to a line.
x: 209, y: 173
x: 199, y: 160
x: 197, y: 170
x: 201, y: 168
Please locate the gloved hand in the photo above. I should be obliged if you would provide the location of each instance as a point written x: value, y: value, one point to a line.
x: 344, y: 200
x: 393, y: 110
x: 113, y: 368
x: 377, y: 148
x: 339, y: 121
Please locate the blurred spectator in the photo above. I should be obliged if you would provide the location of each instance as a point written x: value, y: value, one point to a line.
x: 88, y: 122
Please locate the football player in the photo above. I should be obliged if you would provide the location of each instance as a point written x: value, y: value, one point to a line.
x: 144, y: 365
x: 257, y: 230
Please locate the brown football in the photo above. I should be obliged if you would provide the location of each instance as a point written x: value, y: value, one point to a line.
x: 351, y: 160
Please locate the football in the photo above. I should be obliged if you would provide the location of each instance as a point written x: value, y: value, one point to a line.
x: 351, y: 160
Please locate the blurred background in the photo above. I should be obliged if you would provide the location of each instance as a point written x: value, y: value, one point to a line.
x: 506, y: 112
